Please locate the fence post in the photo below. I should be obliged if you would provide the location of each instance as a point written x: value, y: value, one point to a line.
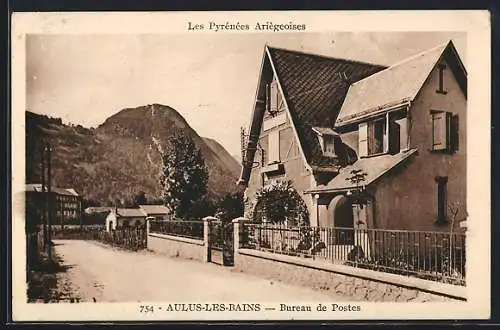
x: 206, y: 237
x: 237, y: 229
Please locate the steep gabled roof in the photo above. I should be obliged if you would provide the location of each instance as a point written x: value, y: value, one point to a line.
x: 400, y: 83
x: 314, y: 88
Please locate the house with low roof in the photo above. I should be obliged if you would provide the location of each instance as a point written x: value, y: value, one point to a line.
x: 365, y: 145
x: 125, y: 218
x: 155, y: 212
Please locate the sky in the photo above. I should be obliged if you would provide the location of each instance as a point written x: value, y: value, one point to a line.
x: 210, y: 79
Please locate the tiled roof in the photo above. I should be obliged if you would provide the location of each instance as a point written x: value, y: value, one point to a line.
x: 314, y: 88
x: 395, y: 85
x: 126, y: 212
x: 374, y: 167
x: 37, y: 187
x: 154, y: 209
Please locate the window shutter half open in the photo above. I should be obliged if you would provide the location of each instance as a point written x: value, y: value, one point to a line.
x: 363, y: 139
x: 439, y: 131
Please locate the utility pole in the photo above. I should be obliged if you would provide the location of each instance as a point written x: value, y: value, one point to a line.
x: 44, y: 200
x: 51, y: 204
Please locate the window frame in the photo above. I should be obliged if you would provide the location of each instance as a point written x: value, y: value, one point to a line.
x: 441, y: 90
x: 451, y: 134
x: 371, y: 135
x: 441, y: 199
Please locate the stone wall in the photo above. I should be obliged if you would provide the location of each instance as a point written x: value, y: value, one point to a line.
x: 352, y: 283
x: 173, y: 246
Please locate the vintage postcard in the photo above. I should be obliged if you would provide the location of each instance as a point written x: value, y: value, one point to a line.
x: 251, y: 165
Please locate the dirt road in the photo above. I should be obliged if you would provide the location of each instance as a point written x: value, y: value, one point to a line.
x: 104, y: 274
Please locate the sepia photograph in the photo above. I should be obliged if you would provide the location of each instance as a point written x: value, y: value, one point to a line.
x: 241, y: 167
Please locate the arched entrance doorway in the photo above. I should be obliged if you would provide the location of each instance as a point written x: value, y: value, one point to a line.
x: 340, y: 209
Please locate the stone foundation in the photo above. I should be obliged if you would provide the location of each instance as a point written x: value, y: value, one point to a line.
x: 352, y: 283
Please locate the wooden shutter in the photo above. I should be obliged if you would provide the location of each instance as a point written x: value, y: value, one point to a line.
x: 363, y: 139
x: 274, y: 97
x: 439, y: 131
x: 274, y: 147
x: 394, y: 137
x: 403, y: 133
x: 454, y: 134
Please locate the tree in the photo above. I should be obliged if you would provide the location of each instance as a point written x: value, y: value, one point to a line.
x: 140, y: 199
x: 280, y: 203
x: 185, y: 176
x: 358, y: 176
x: 201, y: 208
x: 230, y: 206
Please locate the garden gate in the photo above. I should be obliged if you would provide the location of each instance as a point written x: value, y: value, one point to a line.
x: 221, y: 243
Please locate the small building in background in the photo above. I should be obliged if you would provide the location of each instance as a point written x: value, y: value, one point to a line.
x: 125, y: 218
x: 156, y: 212
x: 96, y: 215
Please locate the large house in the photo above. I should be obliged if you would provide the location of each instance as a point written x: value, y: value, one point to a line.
x: 365, y: 145
x: 66, y: 203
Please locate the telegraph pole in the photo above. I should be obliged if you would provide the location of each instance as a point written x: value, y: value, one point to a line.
x: 44, y: 204
x: 49, y: 219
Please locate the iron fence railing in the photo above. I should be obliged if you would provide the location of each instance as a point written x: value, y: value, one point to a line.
x: 437, y: 256
x: 182, y: 228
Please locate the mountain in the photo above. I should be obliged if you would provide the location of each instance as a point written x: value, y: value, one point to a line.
x: 122, y: 156
x: 225, y: 157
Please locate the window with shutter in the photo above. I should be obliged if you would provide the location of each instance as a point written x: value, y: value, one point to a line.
x: 363, y: 139
x: 444, y: 131
x: 376, y: 137
x: 274, y: 147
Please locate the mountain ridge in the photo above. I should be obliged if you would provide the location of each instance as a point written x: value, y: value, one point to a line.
x: 122, y: 156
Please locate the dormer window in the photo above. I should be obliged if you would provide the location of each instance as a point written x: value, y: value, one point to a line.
x: 326, y: 137
x: 385, y: 134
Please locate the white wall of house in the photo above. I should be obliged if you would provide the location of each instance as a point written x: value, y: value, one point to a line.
x: 111, y: 221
